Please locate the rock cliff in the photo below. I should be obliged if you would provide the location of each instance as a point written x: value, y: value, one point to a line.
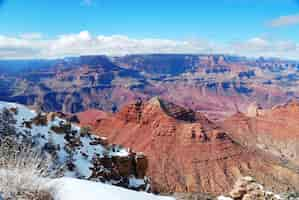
x: 187, y: 152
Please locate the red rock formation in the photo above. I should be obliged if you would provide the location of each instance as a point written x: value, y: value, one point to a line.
x: 274, y: 130
x: 91, y: 117
x: 187, y: 152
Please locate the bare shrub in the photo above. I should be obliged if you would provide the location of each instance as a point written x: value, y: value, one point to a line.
x: 32, y: 195
x: 23, y: 171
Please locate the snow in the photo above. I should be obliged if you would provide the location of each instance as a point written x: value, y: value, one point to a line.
x: 75, y: 189
x: 81, y: 155
x: 224, y: 198
x: 134, y: 182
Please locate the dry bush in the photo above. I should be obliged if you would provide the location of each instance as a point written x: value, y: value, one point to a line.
x: 23, y: 171
x: 32, y: 195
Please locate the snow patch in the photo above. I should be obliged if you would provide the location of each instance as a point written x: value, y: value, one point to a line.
x: 75, y: 189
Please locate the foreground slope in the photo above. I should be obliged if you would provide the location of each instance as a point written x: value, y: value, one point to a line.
x: 75, y: 189
x: 187, y: 152
x: 76, y: 152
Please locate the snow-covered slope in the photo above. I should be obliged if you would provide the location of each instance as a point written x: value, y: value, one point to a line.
x: 71, y: 148
x: 75, y: 189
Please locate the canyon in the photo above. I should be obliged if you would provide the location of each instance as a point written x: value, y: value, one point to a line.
x: 201, y: 121
x: 217, y: 85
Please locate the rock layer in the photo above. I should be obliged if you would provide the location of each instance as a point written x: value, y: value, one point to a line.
x: 274, y: 131
x: 187, y: 152
x: 217, y: 85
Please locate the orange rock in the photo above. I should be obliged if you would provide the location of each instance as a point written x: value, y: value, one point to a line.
x: 186, y: 152
x: 276, y: 131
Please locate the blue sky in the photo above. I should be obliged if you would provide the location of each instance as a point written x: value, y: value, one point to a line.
x: 214, y: 24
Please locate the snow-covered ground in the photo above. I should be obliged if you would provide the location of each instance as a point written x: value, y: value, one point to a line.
x: 75, y: 189
x: 81, y: 154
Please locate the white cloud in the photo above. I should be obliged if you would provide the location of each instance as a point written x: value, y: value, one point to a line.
x: 11, y: 47
x: 31, y: 36
x: 285, y: 20
x: 264, y: 47
x: 84, y: 43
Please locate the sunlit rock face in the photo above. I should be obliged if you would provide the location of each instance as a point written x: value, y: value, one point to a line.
x: 187, y: 152
x: 272, y: 130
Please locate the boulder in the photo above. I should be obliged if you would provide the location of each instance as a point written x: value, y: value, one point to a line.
x: 40, y: 120
x: 246, y: 188
x: 124, y: 165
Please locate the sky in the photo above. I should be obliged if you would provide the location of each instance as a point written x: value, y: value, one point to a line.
x: 58, y: 28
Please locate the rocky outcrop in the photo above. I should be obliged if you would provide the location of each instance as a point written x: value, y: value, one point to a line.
x: 40, y: 120
x: 120, y: 167
x: 189, y: 154
x: 141, y: 164
x: 176, y: 111
x: 246, y: 188
x: 75, y: 152
x: 275, y: 131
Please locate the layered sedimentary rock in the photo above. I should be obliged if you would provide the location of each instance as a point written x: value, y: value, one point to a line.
x: 274, y: 130
x: 217, y: 85
x: 187, y: 152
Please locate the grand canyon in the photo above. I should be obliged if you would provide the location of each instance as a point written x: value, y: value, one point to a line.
x: 149, y: 100
x: 200, y: 121
x: 218, y: 85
